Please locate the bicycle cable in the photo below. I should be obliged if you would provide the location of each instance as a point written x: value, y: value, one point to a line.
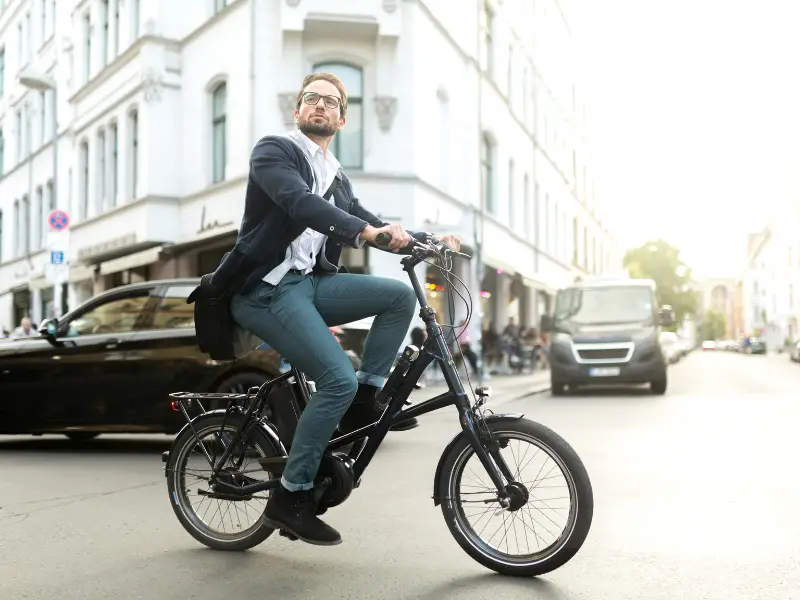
x: 446, y: 267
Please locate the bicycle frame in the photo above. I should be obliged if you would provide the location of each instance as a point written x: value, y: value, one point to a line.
x: 398, y: 388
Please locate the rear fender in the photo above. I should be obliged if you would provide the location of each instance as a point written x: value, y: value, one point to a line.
x: 267, y: 427
x: 494, y: 418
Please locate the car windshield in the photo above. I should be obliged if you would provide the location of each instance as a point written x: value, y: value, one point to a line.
x: 604, y: 305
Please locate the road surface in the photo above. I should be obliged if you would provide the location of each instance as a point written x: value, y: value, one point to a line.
x: 697, y: 496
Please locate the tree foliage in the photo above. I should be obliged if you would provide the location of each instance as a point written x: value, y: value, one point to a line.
x: 713, y: 326
x: 659, y: 261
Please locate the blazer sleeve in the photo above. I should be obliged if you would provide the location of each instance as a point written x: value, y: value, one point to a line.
x: 273, y: 168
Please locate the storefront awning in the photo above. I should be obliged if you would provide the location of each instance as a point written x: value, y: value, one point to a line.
x: 131, y: 261
x: 171, y: 250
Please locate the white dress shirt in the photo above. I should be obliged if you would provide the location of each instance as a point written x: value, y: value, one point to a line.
x: 302, y: 252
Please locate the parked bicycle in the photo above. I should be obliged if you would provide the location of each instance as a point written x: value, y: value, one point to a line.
x: 531, y: 516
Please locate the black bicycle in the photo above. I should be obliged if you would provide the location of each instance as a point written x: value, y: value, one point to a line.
x: 530, y: 517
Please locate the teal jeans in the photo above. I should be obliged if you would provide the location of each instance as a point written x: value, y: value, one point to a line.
x: 293, y: 317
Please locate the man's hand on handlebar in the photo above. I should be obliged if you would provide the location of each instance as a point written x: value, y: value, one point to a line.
x: 399, y: 237
x: 453, y: 241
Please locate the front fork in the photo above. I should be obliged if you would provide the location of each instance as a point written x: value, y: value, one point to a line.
x: 487, y: 448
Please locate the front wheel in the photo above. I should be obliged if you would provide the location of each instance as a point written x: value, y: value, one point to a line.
x: 553, y: 504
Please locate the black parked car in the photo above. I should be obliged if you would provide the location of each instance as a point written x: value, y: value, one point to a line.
x: 109, y: 365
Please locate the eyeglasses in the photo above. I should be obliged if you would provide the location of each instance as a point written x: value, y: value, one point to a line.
x: 312, y: 98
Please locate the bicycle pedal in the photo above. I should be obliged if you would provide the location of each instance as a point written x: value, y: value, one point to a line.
x: 286, y: 534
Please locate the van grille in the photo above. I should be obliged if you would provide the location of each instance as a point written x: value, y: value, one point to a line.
x: 603, y: 354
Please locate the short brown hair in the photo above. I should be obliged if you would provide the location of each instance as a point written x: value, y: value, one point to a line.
x: 330, y: 78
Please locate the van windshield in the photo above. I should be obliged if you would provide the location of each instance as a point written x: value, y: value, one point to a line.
x: 605, y: 305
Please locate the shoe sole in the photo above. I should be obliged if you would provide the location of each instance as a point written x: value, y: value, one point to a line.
x: 278, y: 526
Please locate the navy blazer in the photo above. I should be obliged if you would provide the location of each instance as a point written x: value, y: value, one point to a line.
x: 279, y: 206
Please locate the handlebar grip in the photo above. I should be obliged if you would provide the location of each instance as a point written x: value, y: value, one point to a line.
x: 383, y: 239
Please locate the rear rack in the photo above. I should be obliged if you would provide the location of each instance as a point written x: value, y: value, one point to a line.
x: 185, y: 400
x: 212, y: 395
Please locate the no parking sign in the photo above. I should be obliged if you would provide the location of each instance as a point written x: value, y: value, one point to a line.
x: 58, y: 220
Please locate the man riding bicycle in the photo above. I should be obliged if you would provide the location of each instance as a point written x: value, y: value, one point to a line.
x: 299, y: 211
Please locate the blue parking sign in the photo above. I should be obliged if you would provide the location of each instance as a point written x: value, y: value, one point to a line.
x: 56, y: 257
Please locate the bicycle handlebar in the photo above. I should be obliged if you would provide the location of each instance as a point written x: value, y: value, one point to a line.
x: 433, y: 247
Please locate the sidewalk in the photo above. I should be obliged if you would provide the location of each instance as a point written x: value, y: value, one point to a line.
x: 504, y: 387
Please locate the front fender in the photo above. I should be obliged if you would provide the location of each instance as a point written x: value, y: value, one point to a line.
x: 267, y: 427
x: 489, y: 419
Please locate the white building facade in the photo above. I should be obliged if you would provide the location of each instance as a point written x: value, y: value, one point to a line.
x: 771, y: 281
x: 467, y: 121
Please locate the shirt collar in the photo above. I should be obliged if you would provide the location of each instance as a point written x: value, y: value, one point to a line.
x: 312, y: 148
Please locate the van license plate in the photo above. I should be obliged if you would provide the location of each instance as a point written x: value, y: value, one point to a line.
x: 604, y: 372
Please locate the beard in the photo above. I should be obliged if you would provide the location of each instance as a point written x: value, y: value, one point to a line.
x: 322, y: 128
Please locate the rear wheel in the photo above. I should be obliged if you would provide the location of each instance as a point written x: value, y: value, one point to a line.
x: 552, y: 501
x: 220, y: 522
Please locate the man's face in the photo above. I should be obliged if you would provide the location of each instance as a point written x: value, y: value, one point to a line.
x: 26, y: 324
x: 315, y: 116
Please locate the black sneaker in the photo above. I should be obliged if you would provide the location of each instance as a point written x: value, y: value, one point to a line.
x: 365, y: 410
x: 295, y: 514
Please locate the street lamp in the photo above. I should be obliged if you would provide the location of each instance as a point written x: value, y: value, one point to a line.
x: 42, y: 82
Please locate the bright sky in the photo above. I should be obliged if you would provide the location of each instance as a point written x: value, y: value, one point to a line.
x: 696, y: 108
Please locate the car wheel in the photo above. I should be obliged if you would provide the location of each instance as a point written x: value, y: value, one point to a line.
x: 659, y: 386
x: 81, y: 436
x: 237, y: 384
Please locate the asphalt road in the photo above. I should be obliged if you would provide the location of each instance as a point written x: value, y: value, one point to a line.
x: 697, y: 496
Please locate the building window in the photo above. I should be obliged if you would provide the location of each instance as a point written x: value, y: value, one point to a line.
x: 219, y: 136
x: 510, y: 75
x: 18, y: 132
x: 2, y: 152
x: 36, y: 230
x: 511, y: 190
x: 101, y: 170
x: 525, y: 96
x: 51, y: 22
x: 135, y: 18
x: 2, y: 231
x: 47, y: 208
x: 2, y: 70
x: 575, y: 241
x: 104, y: 41
x: 114, y: 171
x: 87, y: 59
x: 116, y: 27
x: 487, y: 174
x: 20, y: 44
x: 84, y: 180
x: 42, y: 21
x: 348, y: 143
x: 51, y: 200
x: 547, y: 223
x: 17, y: 231
x: 28, y: 38
x: 42, y: 117
x: 219, y: 5
x: 526, y: 205
x: 486, y: 50
x: 133, y: 122
x: 585, y: 249
x: 26, y: 225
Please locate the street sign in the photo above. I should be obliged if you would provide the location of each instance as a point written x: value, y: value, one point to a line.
x: 58, y: 220
x: 56, y: 257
